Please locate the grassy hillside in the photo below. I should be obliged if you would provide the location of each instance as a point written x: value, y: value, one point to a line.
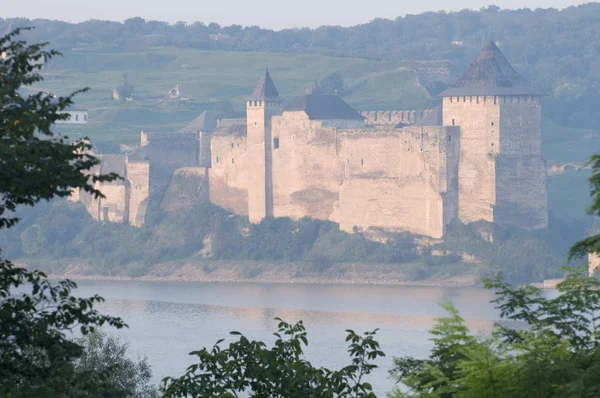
x: 207, y: 77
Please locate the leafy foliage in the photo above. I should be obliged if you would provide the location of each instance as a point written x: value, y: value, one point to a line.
x: 333, y: 84
x: 551, y: 349
x: 35, y: 164
x: 249, y: 368
x: 69, y: 233
x: 37, y: 317
x: 104, y: 370
x: 36, y: 351
x: 592, y: 243
x: 125, y: 90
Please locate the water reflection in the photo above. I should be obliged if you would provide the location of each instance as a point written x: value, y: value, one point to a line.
x: 168, y: 320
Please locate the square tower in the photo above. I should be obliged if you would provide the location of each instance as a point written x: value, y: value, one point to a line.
x: 502, y: 176
x: 260, y: 107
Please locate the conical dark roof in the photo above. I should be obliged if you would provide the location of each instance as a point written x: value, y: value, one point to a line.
x: 265, y: 89
x: 490, y: 73
x: 324, y: 107
x: 206, y: 122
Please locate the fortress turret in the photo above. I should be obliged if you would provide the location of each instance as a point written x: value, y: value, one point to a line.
x: 260, y: 107
x: 502, y: 175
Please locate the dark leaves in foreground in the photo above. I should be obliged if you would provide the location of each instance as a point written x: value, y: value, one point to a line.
x: 249, y: 368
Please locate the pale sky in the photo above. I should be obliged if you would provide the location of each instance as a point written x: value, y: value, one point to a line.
x: 274, y: 14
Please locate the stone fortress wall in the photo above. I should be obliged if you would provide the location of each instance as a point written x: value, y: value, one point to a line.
x: 475, y: 157
x: 126, y: 199
x: 479, y: 121
x: 400, y: 180
x: 228, y: 173
x: 502, y: 174
x: 138, y: 176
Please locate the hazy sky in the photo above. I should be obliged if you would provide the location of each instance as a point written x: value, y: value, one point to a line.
x: 275, y: 14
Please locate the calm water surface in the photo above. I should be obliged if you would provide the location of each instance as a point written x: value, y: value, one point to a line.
x: 167, y: 320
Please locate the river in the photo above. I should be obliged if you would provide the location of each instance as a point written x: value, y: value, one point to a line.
x: 167, y: 320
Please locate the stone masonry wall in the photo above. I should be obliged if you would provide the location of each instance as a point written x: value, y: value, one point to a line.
x: 113, y: 207
x: 450, y: 192
x: 399, y: 179
x: 307, y: 171
x: 188, y: 187
x: 393, y: 118
x: 259, y: 120
x: 521, y: 125
x: 90, y: 203
x: 479, y: 120
x: 521, y: 192
x: 167, y: 153
x: 228, y: 175
x: 138, y: 176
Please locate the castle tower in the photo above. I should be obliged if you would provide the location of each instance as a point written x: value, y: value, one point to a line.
x: 260, y: 107
x: 502, y: 176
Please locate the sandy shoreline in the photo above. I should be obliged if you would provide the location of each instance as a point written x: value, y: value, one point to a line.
x: 307, y: 281
x: 342, y: 274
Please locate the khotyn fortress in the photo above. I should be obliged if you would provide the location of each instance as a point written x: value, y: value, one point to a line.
x: 477, y: 156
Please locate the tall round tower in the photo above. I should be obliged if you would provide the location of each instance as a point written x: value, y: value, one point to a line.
x: 260, y: 107
x: 502, y: 176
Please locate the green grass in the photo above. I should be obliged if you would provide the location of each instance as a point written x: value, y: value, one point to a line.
x: 208, y: 77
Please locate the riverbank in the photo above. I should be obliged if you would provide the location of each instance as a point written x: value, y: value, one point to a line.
x: 288, y: 273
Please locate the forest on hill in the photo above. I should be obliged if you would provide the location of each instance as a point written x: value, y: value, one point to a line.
x: 559, y: 50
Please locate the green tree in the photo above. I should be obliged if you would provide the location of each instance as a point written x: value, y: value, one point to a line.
x: 104, y: 370
x: 544, y: 347
x: 36, y: 316
x: 36, y: 164
x: 590, y: 244
x: 125, y: 90
x: 249, y: 368
x: 333, y: 84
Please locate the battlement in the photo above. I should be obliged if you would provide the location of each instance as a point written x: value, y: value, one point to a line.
x: 492, y: 99
x: 380, y: 118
